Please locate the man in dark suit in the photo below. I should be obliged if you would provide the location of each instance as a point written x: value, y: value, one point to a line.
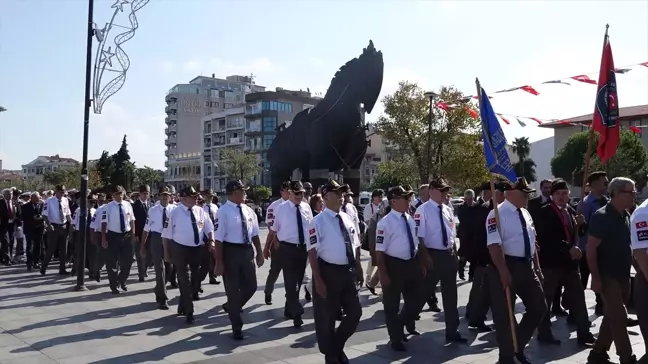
x: 536, y: 203
x: 8, y: 218
x: 34, y: 228
x: 140, y: 209
x: 559, y: 254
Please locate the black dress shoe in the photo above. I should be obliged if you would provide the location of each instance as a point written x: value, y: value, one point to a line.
x: 559, y: 312
x: 480, y: 327
x: 412, y: 330
x: 181, y: 311
x: 213, y: 281
x: 195, y: 297
x: 632, y: 322
x: 549, y: 340
x: 344, y: 359
x: 190, y: 318
x: 298, y: 322
x: 371, y: 289
x: 522, y: 359
x: 114, y: 291
x: 456, y: 338
x: 141, y: 279
x: 397, y: 346
x: 42, y: 271
x: 238, y: 335
x: 29, y: 268
x: 163, y: 306
x: 598, y: 309
x: 307, y: 295
x: 123, y: 287
x: 287, y: 315
x: 173, y: 285
x: 268, y: 299
x: 200, y: 290
x: 433, y: 306
x: 63, y: 273
x: 587, y: 340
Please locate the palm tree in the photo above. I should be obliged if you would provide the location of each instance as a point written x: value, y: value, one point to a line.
x: 525, y: 167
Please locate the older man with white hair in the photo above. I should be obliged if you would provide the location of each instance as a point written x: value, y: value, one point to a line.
x: 8, y: 216
x: 464, y: 213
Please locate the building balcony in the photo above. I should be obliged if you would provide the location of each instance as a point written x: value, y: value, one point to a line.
x: 171, y: 140
x: 169, y: 98
x: 171, y: 118
x: 235, y: 141
x: 172, y: 128
x: 236, y: 126
x: 172, y: 107
x: 167, y: 153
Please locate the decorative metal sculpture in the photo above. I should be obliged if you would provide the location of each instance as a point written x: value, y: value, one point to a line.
x: 103, y: 57
x: 331, y: 137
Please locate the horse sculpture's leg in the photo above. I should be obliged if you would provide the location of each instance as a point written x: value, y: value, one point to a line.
x: 318, y: 177
x: 352, y: 178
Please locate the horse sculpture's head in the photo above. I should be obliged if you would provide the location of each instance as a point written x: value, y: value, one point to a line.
x: 359, y: 80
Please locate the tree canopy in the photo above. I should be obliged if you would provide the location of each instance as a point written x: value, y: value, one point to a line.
x: 237, y: 164
x: 453, y: 136
x: 147, y: 176
x: 395, y: 172
x: 629, y: 161
x: 525, y: 166
x: 71, y: 178
x: 124, y: 170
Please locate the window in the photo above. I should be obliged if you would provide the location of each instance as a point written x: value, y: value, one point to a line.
x: 269, y: 123
x: 267, y: 141
x: 279, y: 106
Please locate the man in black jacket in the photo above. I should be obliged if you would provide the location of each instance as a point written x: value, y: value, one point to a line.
x: 140, y: 209
x: 34, y: 228
x: 9, y: 214
x: 557, y: 235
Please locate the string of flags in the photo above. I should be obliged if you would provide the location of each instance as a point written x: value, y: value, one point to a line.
x: 584, y: 78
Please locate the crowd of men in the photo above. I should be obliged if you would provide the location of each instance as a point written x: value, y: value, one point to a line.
x: 542, y: 250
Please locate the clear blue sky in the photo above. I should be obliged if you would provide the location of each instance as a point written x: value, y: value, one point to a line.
x: 300, y: 44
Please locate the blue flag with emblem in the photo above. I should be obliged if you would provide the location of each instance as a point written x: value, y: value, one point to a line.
x: 498, y: 161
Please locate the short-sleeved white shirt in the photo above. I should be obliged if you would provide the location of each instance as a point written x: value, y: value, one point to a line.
x: 229, y: 226
x: 77, y: 215
x: 110, y: 215
x: 429, y: 227
x: 391, y: 235
x: 180, y: 226
x: 270, y: 213
x: 154, y: 219
x: 512, y: 237
x: 325, y: 236
x: 285, y: 221
x: 639, y: 227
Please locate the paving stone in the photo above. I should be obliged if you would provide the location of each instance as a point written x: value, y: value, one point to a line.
x: 43, y: 321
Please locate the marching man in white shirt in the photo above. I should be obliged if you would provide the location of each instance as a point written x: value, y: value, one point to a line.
x: 401, y: 269
x: 97, y: 253
x: 118, y: 239
x: 334, y: 256
x: 90, y: 262
x: 158, y: 217
x: 237, y: 229
x: 211, y: 209
x: 57, y: 214
x: 185, y: 247
x: 639, y: 239
x: 291, y: 229
x: 511, y: 244
x: 275, y: 266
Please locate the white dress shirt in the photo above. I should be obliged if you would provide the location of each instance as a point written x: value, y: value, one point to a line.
x: 325, y: 235
x: 270, y: 214
x: 369, y: 211
x: 154, y: 221
x: 639, y: 227
x: 229, y: 227
x: 429, y: 226
x: 212, y: 210
x: 391, y: 235
x: 95, y: 223
x: 111, y: 215
x: 180, y: 227
x: 52, y: 211
x: 77, y: 215
x: 512, y: 237
x: 285, y: 222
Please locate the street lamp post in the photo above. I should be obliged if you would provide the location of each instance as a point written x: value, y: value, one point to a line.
x: 96, y: 95
x: 430, y: 95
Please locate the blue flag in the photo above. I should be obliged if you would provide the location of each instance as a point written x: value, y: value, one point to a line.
x: 497, y: 158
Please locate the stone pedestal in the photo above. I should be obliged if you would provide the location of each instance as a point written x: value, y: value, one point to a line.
x: 352, y: 178
x: 318, y: 177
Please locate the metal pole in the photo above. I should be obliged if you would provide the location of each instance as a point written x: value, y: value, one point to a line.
x: 429, y: 143
x: 81, y: 242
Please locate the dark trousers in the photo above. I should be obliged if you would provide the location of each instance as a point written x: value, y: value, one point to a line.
x: 186, y: 259
x: 574, y: 294
x: 583, y: 267
x: 120, y: 251
x: 293, y: 259
x: 239, y: 278
x: 78, y: 239
x: 99, y: 254
x: 444, y: 270
x: 72, y: 238
x: 4, y: 245
x: 406, y: 279
x: 142, y: 262
x: 56, y: 242
x: 161, y: 267
x: 641, y: 305
x: 273, y: 274
x: 527, y: 286
x: 341, y: 293
x: 34, y: 242
x: 479, y: 298
x: 614, y: 327
x: 206, y: 268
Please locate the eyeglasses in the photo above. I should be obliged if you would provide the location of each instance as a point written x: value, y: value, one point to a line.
x: 633, y: 192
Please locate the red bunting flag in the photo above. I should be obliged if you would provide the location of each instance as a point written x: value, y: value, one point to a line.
x: 606, y: 109
x: 584, y: 78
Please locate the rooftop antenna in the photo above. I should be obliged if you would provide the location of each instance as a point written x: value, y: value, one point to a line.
x: 252, y: 77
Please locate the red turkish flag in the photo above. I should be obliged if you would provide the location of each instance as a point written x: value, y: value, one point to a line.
x: 606, y: 110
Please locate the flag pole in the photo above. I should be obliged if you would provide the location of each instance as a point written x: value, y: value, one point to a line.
x: 507, y: 291
x: 590, y: 141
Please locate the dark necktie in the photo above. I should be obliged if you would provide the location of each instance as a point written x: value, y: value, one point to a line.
x: 525, y: 234
x: 444, y: 231
x: 122, y: 223
x: 409, y: 237
x: 61, y: 211
x: 194, y: 225
x: 210, y: 213
x: 164, y: 217
x: 347, y: 242
x: 10, y: 209
x: 88, y: 219
x: 344, y: 208
x: 300, y: 226
x: 244, y: 227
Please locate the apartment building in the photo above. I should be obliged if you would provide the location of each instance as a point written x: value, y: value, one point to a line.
x: 376, y: 153
x: 186, y: 107
x: 43, y: 164
x: 225, y: 129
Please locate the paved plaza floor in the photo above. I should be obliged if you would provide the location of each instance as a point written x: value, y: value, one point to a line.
x: 43, y: 321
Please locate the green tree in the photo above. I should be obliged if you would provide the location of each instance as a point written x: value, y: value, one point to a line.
x: 629, y: 161
x: 525, y: 166
x: 409, y: 129
x: 262, y: 193
x: 147, y: 176
x: 71, y: 178
x: 465, y: 167
x: 105, y: 167
x: 395, y: 172
x: 124, y: 171
x: 238, y: 164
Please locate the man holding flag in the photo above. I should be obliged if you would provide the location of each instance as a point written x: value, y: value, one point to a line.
x: 510, y: 236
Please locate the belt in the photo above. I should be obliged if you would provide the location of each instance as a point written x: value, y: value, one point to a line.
x: 55, y: 224
x: 292, y: 244
x: 400, y: 259
x: 115, y: 232
x: 324, y: 262
x: 440, y: 250
x: 517, y: 259
x: 236, y: 245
